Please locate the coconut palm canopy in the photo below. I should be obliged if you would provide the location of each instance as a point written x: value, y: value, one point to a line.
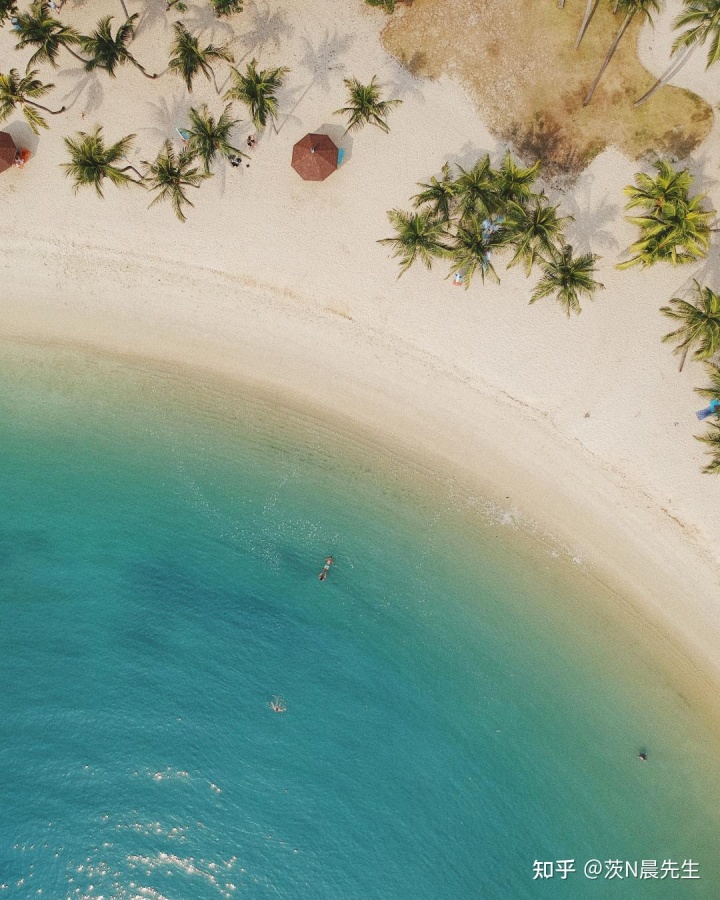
x: 315, y: 157
x: 7, y: 151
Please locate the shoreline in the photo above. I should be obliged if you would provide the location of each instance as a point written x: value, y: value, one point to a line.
x: 436, y: 419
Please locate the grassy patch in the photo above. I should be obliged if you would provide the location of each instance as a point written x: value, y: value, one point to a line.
x: 528, y: 82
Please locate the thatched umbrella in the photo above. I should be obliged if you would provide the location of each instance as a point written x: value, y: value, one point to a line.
x: 315, y: 157
x: 7, y: 151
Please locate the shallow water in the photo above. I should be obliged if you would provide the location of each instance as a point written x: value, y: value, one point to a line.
x: 458, y: 705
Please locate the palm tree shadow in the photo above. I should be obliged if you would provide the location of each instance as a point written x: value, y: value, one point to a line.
x: 156, y: 15
x: 318, y: 61
x: 220, y: 175
x: 289, y: 97
x: 592, y: 228
x: 89, y: 83
x: 466, y: 157
x: 709, y: 272
x: 406, y: 83
x: 267, y: 28
x: 700, y: 167
x: 203, y: 19
x: 167, y: 114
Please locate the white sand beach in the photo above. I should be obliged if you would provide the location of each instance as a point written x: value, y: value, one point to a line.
x: 581, y: 430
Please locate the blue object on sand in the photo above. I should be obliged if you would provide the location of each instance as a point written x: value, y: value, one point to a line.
x: 709, y: 410
x: 341, y: 156
x: 185, y: 135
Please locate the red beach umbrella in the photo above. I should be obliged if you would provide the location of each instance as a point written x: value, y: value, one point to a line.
x: 315, y: 157
x: 7, y: 151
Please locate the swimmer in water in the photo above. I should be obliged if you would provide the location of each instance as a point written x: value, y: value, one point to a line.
x: 643, y: 755
x: 326, y: 568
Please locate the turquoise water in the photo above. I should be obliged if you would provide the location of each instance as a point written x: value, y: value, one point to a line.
x: 457, y: 706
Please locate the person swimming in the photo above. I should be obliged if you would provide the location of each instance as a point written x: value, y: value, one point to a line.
x: 643, y: 755
x: 326, y: 568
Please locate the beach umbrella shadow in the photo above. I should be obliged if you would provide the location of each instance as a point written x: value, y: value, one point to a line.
x: 22, y: 134
x: 344, y: 142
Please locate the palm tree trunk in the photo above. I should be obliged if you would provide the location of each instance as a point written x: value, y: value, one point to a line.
x: 611, y: 53
x: 127, y: 14
x: 589, y: 12
x: 615, y: 8
x: 53, y: 112
x: 561, y: 4
x: 133, y: 169
x: 669, y: 73
x: 143, y: 69
x: 76, y: 55
x: 684, y: 357
x: 212, y: 72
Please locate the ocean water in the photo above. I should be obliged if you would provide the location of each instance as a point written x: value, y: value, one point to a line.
x: 459, y: 703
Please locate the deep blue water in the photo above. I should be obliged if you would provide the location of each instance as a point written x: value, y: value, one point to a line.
x: 456, y: 707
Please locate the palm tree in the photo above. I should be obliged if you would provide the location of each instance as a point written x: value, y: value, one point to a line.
x: 365, y: 106
x: 477, y: 189
x: 209, y: 138
x: 189, y: 57
x: 91, y: 162
x: 653, y: 193
x: 589, y: 13
x: 37, y: 29
x: 631, y: 8
x: 108, y: 52
x: 440, y: 196
x: 513, y: 182
x: 170, y: 174
x: 471, y: 248
x: 700, y: 324
x: 678, y: 232
x: 535, y: 230
x: 417, y: 236
x: 713, y: 391
x: 8, y: 8
x: 568, y: 278
x: 227, y: 7
x: 23, y: 91
x: 703, y: 19
x: 713, y: 439
x: 257, y: 90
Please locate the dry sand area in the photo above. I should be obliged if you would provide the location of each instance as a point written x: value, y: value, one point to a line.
x: 519, y: 63
x: 580, y: 431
